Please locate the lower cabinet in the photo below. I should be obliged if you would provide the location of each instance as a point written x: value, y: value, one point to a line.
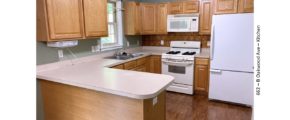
x: 201, y: 76
x: 146, y: 64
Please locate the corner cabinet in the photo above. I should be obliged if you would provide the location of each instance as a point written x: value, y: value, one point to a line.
x: 71, y: 19
x: 132, y: 18
x: 205, y: 17
x: 201, y: 76
x: 233, y: 6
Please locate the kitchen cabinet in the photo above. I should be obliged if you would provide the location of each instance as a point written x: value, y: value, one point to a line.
x: 201, y: 76
x: 233, y: 6
x: 132, y: 18
x: 246, y: 6
x: 190, y: 6
x: 161, y: 16
x: 95, y: 15
x: 225, y: 6
x: 155, y: 64
x: 148, y: 18
x: 183, y: 7
x: 71, y: 19
x: 205, y: 17
x: 119, y: 66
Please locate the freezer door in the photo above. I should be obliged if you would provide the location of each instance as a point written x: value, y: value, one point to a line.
x: 232, y: 42
x: 236, y: 87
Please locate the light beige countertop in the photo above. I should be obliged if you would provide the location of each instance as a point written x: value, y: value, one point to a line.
x: 204, y: 53
x: 94, y: 73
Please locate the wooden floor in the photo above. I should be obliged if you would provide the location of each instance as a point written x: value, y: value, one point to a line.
x: 197, y: 107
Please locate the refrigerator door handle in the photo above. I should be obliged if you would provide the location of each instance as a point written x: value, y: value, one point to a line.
x: 215, y: 71
x: 212, y: 43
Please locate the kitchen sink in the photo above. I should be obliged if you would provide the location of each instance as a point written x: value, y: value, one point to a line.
x: 124, y: 56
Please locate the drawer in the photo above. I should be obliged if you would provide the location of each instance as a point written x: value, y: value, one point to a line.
x: 141, y: 61
x: 130, y: 65
x: 201, y: 61
x: 118, y: 66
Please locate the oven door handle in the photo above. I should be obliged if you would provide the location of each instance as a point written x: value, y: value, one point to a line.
x: 177, y: 63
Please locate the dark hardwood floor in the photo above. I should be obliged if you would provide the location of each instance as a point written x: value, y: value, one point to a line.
x: 198, y: 107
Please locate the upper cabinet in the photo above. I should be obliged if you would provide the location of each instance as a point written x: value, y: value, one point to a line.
x: 148, y: 18
x: 132, y: 18
x: 161, y: 16
x: 95, y: 14
x: 67, y: 19
x: 246, y: 6
x: 233, y: 6
x: 205, y: 16
x: 190, y: 6
x: 225, y: 6
x: 183, y: 7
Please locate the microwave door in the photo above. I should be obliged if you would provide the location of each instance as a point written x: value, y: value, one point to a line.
x: 178, y: 25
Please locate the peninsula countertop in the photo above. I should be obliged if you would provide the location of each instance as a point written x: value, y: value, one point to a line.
x: 96, y: 75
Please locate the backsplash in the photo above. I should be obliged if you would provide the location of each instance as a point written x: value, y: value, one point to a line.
x: 155, y: 40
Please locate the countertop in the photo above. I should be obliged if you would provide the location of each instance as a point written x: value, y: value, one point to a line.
x: 205, y: 53
x: 96, y: 75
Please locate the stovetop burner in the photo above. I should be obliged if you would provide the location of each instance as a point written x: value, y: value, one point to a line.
x: 173, y: 52
x: 188, y: 53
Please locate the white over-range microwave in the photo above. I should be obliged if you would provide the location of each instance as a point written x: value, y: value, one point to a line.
x: 182, y: 23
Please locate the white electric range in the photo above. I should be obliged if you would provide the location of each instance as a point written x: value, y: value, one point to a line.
x: 179, y: 63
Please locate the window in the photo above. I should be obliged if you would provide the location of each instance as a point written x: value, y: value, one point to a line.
x: 114, y: 39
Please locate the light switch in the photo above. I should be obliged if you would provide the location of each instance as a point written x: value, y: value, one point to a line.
x: 60, y: 53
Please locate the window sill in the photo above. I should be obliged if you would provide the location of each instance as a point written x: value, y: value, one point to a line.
x: 111, y: 47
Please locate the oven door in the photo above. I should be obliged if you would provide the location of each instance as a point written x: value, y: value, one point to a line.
x: 178, y: 25
x: 181, y: 71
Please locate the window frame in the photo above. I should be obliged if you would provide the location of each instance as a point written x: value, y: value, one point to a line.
x: 118, y: 31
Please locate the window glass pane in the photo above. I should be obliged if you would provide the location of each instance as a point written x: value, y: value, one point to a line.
x: 111, y: 39
x: 111, y: 12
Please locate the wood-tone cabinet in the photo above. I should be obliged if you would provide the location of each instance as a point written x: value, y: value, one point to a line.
x: 148, y: 18
x: 246, y: 6
x: 71, y: 19
x: 201, y: 76
x: 161, y: 16
x: 184, y: 7
x: 155, y: 64
x: 132, y: 17
x: 95, y: 15
x: 146, y: 64
x: 205, y: 17
x: 190, y: 6
x: 233, y: 6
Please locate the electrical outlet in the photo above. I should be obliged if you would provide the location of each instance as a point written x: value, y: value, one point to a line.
x: 97, y: 48
x: 93, y: 49
x: 128, y: 43
x: 208, y: 43
x: 155, y: 100
x: 60, y: 53
x: 161, y: 42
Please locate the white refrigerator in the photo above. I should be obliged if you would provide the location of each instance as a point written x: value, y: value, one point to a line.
x: 231, y: 59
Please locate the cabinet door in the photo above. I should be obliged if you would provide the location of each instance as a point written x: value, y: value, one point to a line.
x: 205, y: 17
x: 161, y: 18
x: 148, y: 17
x: 118, y: 66
x: 155, y: 64
x: 65, y: 19
x: 201, y: 78
x: 95, y: 13
x: 225, y: 6
x: 141, y: 68
x: 190, y: 6
x: 175, y: 7
x: 246, y: 6
x: 132, y: 18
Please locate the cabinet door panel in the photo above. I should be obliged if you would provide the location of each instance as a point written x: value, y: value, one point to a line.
x: 175, y: 7
x: 65, y: 19
x: 155, y: 64
x: 225, y: 6
x: 161, y: 19
x: 132, y: 18
x: 201, y: 78
x: 95, y: 13
x: 190, y: 6
x: 246, y: 6
x: 205, y: 16
x: 148, y: 18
